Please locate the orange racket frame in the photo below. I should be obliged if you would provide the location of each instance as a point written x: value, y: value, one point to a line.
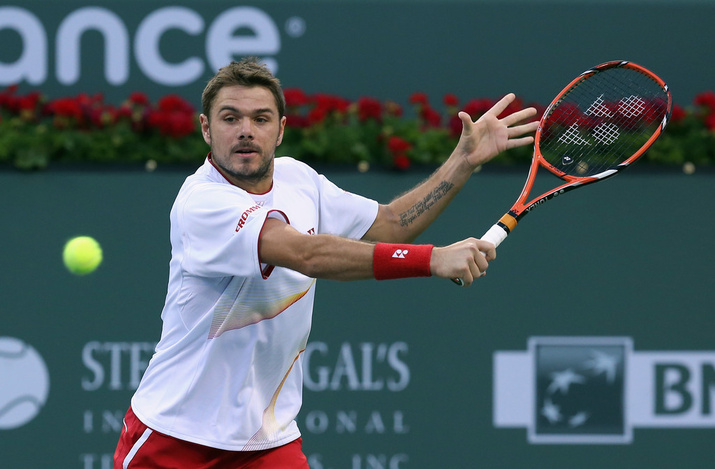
x: 500, y: 230
x: 521, y: 207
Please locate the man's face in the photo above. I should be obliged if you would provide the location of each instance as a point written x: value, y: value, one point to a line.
x: 243, y: 131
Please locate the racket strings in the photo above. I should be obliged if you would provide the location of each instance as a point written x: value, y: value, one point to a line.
x: 602, y: 121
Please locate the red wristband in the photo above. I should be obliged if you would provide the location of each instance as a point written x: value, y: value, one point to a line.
x: 401, y: 260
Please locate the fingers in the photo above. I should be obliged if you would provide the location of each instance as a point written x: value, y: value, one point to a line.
x: 523, y: 129
x: 488, y: 249
x: 465, y: 260
x: 519, y: 142
x: 519, y: 116
x: 515, y: 132
x: 466, y: 122
x: 502, y: 104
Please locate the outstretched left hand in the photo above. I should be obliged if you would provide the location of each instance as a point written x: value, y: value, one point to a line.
x: 488, y: 136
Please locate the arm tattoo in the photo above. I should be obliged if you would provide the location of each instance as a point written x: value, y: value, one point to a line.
x: 425, y: 204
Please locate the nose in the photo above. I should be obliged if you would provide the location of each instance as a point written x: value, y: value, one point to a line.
x: 245, y: 130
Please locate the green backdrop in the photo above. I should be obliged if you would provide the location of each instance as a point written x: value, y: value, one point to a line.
x: 388, y: 50
x: 401, y: 374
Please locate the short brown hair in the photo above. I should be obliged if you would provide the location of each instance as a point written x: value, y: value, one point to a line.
x: 247, y: 72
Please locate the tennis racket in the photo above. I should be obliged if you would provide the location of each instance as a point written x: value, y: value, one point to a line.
x: 600, y: 124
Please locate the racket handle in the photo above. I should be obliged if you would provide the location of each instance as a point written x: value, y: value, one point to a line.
x: 495, y: 235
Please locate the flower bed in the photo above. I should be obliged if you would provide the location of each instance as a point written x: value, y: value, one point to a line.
x: 322, y: 128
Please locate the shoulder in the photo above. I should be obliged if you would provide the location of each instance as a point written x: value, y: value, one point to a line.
x: 287, y: 164
x: 199, y: 191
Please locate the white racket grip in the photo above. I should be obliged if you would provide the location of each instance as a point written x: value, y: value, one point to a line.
x: 495, y: 235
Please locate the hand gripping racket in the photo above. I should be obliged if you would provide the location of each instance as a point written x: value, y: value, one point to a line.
x: 603, y: 121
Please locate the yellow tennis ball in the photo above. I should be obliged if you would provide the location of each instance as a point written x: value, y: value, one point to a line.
x: 82, y: 255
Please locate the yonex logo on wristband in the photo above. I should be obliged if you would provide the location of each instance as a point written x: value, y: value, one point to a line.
x: 392, y: 260
x: 400, y: 253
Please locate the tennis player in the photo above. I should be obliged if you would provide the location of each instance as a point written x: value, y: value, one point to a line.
x: 250, y: 233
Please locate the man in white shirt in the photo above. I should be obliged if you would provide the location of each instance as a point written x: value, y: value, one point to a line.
x: 250, y: 233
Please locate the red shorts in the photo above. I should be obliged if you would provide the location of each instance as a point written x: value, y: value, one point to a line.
x: 141, y: 447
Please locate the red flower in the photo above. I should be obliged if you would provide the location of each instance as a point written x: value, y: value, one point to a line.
x: 654, y: 111
x: 398, y: 148
x: 330, y: 103
x: 317, y: 115
x: 295, y: 97
x: 175, y: 103
x: 431, y: 117
x: 706, y: 99
x: 369, y: 108
x: 450, y: 100
x: 28, y: 102
x: 710, y: 122
x: 124, y: 112
x: 297, y: 121
x: 138, y: 98
x: 8, y: 99
x: 565, y: 114
x: 182, y: 124
x: 477, y: 107
x: 540, y: 109
x: 455, y: 126
x: 677, y: 114
x: 66, y: 107
x: 401, y: 162
x: 173, y: 124
x: 174, y: 116
x: 419, y: 98
x: 398, y: 145
x: 104, y: 116
x: 27, y: 106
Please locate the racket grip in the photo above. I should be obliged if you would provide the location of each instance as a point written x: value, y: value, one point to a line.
x: 495, y: 235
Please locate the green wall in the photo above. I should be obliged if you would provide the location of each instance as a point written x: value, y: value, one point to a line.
x: 388, y: 50
x: 402, y: 373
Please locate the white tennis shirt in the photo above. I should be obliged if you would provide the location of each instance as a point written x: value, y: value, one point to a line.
x: 227, y: 372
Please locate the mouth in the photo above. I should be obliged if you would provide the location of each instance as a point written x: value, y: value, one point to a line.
x: 245, y: 151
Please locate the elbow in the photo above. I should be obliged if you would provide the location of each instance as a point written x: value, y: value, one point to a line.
x: 390, y: 227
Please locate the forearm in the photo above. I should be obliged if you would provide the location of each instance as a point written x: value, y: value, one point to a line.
x: 403, y: 219
x: 408, y: 215
x: 336, y: 258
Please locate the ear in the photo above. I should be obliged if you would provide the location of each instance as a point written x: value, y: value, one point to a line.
x: 205, y: 132
x: 282, y: 129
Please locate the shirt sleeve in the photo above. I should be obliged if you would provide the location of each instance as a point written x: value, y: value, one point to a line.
x: 220, y: 229
x: 343, y: 213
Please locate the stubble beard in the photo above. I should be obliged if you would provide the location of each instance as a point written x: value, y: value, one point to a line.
x: 244, y: 173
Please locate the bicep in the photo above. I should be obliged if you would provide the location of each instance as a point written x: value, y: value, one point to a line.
x: 317, y: 256
x: 278, y: 244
